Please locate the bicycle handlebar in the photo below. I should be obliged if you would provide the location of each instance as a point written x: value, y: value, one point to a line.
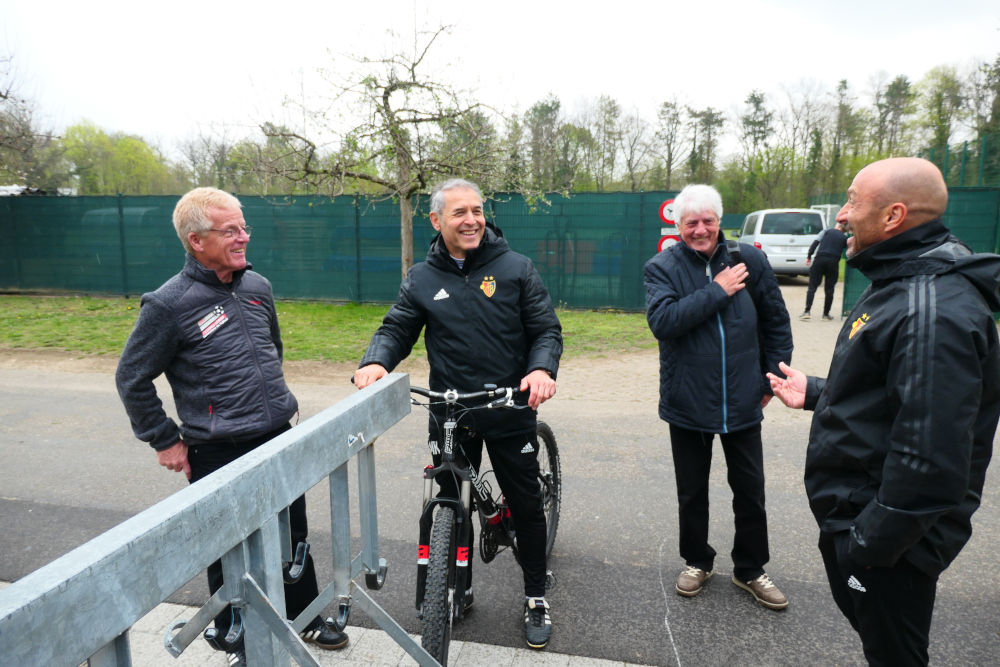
x: 453, y: 396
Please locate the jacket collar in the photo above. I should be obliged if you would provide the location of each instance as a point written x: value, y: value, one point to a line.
x: 492, y: 246
x: 886, y: 258
x: 197, y: 271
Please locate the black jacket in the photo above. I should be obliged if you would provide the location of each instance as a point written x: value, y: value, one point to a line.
x: 903, y: 428
x: 830, y: 242
x: 712, y: 367
x: 491, y: 322
x: 220, y: 347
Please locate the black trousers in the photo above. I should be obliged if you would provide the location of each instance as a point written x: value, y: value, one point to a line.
x: 744, y: 452
x: 823, y: 266
x: 516, y: 471
x: 889, y: 607
x: 206, y: 459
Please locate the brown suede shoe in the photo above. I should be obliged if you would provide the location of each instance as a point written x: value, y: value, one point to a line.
x: 690, y: 581
x: 764, y: 592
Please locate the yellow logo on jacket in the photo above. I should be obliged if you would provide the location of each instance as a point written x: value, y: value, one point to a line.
x: 858, y: 323
x: 489, y: 286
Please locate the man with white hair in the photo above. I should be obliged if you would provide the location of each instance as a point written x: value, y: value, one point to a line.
x: 489, y: 319
x: 722, y: 325
x: 213, y: 330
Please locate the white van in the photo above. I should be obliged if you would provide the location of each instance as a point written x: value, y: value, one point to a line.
x: 784, y: 234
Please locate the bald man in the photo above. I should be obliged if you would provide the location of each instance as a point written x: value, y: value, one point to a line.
x: 903, y: 426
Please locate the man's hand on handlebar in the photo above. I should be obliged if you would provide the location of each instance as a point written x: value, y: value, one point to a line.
x: 368, y: 374
x: 541, y: 385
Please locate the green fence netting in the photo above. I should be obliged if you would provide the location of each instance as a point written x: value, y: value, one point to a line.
x: 589, y: 248
x: 973, y: 215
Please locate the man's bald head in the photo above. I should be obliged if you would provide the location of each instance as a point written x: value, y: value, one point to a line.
x: 914, y: 182
x: 889, y: 197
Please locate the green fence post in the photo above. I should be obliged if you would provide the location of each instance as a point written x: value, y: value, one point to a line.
x: 121, y: 241
x: 982, y: 160
x: 357, y: 243
x: 961, y: 173
x: 947, y: 150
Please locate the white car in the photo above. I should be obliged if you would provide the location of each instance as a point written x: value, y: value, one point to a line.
x: 784, y: 234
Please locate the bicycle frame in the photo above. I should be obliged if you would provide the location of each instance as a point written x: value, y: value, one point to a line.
x: 454, y: 462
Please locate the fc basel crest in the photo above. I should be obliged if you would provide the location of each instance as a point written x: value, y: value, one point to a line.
x: 858, y: 323
x: 489, y: 286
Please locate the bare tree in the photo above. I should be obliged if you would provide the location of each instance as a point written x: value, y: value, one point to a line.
x: 669, y: 134
x: 633, y: 138
x: 396, y: 128
x: 28, y: 153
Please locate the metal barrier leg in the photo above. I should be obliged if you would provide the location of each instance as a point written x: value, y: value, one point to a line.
x: 375, y: 567
x: 340, y: 529
x: 264, y: 565
x: 116, y: 653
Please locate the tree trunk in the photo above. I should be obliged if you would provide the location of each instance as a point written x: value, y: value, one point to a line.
x: 406, y: 233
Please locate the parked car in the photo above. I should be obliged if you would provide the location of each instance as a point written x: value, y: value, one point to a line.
x: 784, y: 234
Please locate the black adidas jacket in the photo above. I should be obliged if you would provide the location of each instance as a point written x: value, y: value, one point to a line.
x: 903, y: 427
x: 491, y: 322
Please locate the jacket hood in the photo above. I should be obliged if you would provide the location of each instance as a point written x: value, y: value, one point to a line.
x: 931, y: 249
x: 492, y: 246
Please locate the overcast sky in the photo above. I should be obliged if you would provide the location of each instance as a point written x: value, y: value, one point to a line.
x: 161, y: 69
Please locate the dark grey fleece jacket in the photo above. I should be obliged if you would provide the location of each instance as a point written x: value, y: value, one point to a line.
x: 220, y: 347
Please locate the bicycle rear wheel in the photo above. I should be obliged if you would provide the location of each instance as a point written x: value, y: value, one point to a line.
x: 439, y: 593
x: 550, y: 479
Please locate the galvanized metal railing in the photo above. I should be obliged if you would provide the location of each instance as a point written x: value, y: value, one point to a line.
x: 82, y: 605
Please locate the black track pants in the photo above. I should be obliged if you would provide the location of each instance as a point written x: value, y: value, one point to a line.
x: 823, y: 266
x: 206, y: 459
x: 516, y: 471
x: 744, y: 452
x: 890, y: 607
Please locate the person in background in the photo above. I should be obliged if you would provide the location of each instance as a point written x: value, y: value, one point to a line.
x: 828, y: 246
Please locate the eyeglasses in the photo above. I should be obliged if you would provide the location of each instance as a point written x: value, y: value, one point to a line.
x: 233, y: 233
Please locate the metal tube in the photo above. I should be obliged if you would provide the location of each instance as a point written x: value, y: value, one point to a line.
x: 117, y: 653
x: 368, y: 508
x: 982, y: 160
x: 264, y: 565
x: 961, y: 173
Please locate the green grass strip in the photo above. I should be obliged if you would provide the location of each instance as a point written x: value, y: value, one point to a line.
x: 310, y: 330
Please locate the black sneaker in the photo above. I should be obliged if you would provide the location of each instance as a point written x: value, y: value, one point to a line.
x: 537, y: 624
x: 321, y: 634
x: 237, y: 659
x: 827, y: 318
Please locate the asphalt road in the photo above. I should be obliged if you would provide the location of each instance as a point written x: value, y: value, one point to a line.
x: 72, y: 469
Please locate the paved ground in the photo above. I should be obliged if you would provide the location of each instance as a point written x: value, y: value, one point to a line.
x: 72, y: 470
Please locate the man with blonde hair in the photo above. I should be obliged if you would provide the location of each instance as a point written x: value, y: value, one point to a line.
x: 903, y: 426
x: 213, y: 330
x: 722, y: 324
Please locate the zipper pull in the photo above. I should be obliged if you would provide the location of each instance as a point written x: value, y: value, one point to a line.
x: 708, y: 270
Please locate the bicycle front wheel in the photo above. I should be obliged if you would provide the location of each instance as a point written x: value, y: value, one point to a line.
x: 550, y: 479
x: 439, y: 593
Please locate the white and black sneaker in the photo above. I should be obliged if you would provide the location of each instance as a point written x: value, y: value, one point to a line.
x: 321, y: 634
x: 237, y: 658
x: 537, y: 624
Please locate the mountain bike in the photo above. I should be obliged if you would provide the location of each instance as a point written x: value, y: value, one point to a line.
x: 442, y: 554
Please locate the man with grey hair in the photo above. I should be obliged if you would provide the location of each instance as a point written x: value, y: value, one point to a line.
x: 213, y: 330
x: 489, y: 320
x: 722, y: 324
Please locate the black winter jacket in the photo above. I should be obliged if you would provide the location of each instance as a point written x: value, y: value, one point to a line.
x: 712, y: 368
x: 220, y: 347
x: 830, y: 242
x: 491, y: 322
x: 903, y: 427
